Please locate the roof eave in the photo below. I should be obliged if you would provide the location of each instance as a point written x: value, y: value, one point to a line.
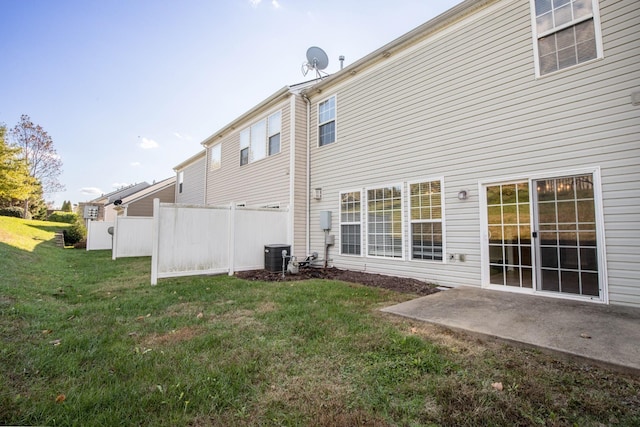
x: 190, y: 160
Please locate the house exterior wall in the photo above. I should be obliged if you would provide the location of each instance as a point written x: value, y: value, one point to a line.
x: 144, y: 206
x: 270, y: 181
x: 109, y: 213
x: 465, y: 105
x: 193, y: 182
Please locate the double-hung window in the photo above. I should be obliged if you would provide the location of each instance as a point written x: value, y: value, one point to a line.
x: 180, y: 181
x: 384, y: 222
x: 327, y: 121
x: 261, y: 139
x: 350, y: 221
x: 274, y: 125
x: 215, y: 157
x: 425, y: 206
x: 566, y: 33
x: 245, y: 142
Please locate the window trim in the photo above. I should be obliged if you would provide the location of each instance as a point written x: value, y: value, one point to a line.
x: 360, y: 222
x: 180, y: 181
x: 334, y: 120
x: 595, y: 15
x: 442, y: 221
x: 403, y: 222
x: 271, y: 135
x: 215, y: 166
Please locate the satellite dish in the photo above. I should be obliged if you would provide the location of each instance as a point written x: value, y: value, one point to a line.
x: 317, y: 60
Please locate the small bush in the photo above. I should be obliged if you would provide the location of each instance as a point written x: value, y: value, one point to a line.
x: 67, y: 217
x: 13, y: 211
x: 74, y: 234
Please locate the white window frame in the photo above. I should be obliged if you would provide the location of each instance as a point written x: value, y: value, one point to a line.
x: 530, y: 177
x: 441, y: 221
x: 215, y: 157
x: 595, y: 15
x: 258, y: 145
x: 334, y: 119
x: 180, y: 181
x: 359, y: 222
x: 366, y: 200
x: 271, y: 133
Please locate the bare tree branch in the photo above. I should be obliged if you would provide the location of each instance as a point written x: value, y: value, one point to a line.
x: 39, y: 153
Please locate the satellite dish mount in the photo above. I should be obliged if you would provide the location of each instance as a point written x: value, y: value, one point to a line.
x: 317, y: 60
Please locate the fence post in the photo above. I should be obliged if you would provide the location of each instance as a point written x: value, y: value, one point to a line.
x: 89, y: 242
x: 155, y: 242
x: 114, y: 246
x: 232, y: 239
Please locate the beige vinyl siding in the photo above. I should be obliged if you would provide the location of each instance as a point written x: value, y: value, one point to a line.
x: 269, y: 180
x: 193, y: 184
x: 258, y: 183
x: 465, y: 104
x: 144, y: 206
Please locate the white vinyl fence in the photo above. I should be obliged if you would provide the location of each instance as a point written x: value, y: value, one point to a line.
x: 132, y: 236
x: 193, y: 240
x: 98, y: 237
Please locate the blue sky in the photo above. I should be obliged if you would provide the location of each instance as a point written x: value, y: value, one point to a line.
x: 128, y: 89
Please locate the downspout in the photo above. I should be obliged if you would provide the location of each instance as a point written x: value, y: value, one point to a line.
x: 292, y: 175
x: 308, y: 172
x: 206, y: 175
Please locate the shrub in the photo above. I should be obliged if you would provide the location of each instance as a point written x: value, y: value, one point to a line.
x: 74, y: 234
x: 13, y: 211
x: 59, y: 216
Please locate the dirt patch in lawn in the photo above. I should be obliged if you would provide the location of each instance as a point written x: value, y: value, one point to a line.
x: 398, y: 284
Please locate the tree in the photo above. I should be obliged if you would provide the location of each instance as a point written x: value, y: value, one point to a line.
x: 15, y: 182
x: 37, y: 150
x: 66, y: 206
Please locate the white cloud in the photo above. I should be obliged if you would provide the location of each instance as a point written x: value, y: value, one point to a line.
x: 117, y: 185
x: 148, y: 143
x: 182, y: 137
x: 91, y: 191
x: 135, y: 164
x: 274, y: 3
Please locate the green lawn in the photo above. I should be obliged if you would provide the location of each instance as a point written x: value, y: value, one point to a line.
x: 87, y: 341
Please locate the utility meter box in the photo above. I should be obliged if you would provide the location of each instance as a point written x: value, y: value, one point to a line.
x: 325, y: 220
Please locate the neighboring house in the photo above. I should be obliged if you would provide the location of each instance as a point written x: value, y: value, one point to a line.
x: 259, y: 160
x: 190, y: 179
x: 101, y: 202
x: 497, y: 145
x: 141, y: 203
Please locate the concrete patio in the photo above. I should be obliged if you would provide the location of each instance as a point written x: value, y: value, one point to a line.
x: 600, y: 334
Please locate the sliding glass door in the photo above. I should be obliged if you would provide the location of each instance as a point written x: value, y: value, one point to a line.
x: 542, y: 236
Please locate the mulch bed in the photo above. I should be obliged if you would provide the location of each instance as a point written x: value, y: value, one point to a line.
x: 398, y: 284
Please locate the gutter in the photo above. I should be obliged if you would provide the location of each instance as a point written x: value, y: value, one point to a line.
x: 190, y: 160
